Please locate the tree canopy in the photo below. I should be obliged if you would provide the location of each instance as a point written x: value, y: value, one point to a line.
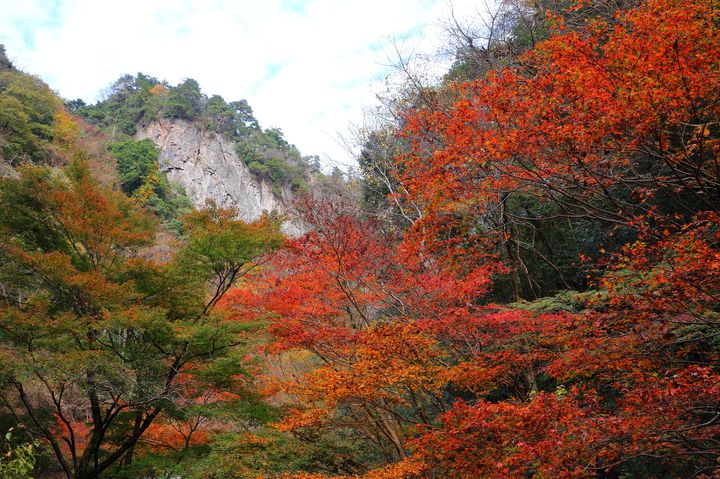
x: 523, y: 281
x: 100, y: 326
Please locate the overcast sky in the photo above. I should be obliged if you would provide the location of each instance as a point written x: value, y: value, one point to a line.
x: 308, y: 67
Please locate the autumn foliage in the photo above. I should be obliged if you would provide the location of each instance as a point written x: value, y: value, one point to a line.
x: 103, y: 343
x: 613, y: 122
x: 549, y: 305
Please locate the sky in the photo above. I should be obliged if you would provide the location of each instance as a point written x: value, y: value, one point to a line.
x: 309, y: 67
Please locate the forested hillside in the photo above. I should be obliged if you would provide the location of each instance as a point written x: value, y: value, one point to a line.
x: 522, y: 282
x: 135, y: 101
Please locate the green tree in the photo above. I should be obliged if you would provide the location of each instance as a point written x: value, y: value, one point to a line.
x: 141, y: 177
x: 219, y: 116
x: 129, y: 102
x: 184, y: 101
x: 5, y: 63
x: 27, y: 117
x: 244, y: 115
x: 137, y: 160
x: 98, y: 339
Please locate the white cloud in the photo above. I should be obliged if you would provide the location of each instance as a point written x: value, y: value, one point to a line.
x: 307, y: 67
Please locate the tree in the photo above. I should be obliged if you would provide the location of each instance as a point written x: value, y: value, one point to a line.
x: 100, y: 332
x: 523, y: 147
x: 75, y: 105
x: 27, y: 118
x: 361, y: 308
x: 244, y: 115
x: 137, y: 160
x: 140, y: 176
x: 220, y: 116
x: 5, y: 63
x: 184, y: 101
x: 607, y: 129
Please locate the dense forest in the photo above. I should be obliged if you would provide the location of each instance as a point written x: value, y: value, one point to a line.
x: 522, y: 281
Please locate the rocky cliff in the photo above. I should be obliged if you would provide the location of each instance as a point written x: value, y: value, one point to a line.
x: 208, y: 167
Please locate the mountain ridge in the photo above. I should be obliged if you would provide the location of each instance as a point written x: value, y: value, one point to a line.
x: 206, y: 165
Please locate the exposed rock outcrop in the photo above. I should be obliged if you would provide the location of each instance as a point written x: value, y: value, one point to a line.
x: 207, y: 166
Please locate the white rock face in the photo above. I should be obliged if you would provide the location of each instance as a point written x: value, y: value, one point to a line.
x: 206, y: 165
